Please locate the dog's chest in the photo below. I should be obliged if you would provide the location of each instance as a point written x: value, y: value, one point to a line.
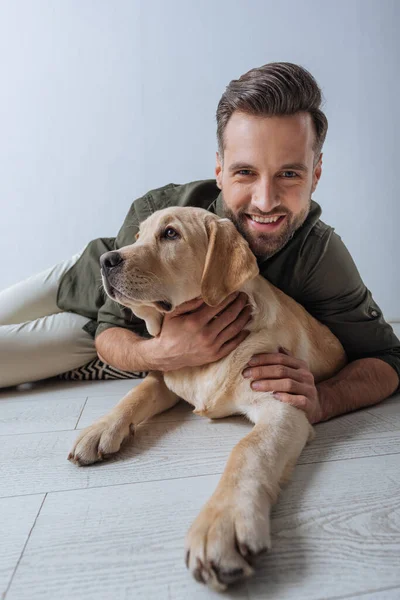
x: 218, y: 389
x: 205, y: 388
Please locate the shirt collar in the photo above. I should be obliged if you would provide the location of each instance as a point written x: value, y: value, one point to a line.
x: 216, y: 206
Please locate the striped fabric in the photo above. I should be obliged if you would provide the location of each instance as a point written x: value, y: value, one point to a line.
x: 96, y: 369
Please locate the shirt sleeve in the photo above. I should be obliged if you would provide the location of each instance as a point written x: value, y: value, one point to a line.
x: 334, y: 293
x: 111, y: 313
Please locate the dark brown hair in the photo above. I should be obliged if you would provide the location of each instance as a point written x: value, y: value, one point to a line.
x: 272, y: 90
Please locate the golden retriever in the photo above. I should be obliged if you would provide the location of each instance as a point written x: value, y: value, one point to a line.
x: 208, y: 258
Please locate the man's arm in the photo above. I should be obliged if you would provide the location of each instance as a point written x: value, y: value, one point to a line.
x: 189, y: 337
x: 128, y: 351
x: 334, y: 293
x: 362, y: 383
x: 123, y: 349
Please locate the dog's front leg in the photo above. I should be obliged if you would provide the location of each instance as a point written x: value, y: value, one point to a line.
x: 106, y: 435
x: 234, y: 525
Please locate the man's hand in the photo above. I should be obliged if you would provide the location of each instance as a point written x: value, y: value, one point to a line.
x: 289, y: 378
x: 196, y: 334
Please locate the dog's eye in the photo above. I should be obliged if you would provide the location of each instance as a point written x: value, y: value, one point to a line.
x: 170, y: 234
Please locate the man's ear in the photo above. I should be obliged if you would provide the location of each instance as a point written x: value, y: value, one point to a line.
x: 218, y: 171
x: 229, y: 261
x: 317, y: 174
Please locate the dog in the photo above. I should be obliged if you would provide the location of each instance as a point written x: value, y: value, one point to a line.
x: 183, y: 253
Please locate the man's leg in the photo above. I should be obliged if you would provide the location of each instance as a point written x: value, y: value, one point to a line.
x: 43, y: 348
x: 35, y: 296
x: 37, y: 339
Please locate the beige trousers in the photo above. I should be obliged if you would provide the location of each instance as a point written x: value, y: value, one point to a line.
x: 37, y: 339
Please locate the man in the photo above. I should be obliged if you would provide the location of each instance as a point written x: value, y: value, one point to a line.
x: 270, y: 136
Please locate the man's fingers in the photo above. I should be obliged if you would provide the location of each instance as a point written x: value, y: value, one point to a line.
x: 297, y: 401
x: 214, y: 311
x: 278, y: 372
x: 288, y: 386
x: 187, y: 307
x: 208, y: 311
x: 277, y: 359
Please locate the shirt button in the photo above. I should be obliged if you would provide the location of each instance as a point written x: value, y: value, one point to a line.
x: 374, y: 313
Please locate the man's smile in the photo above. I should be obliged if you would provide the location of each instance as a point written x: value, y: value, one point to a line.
x: 265, y: 224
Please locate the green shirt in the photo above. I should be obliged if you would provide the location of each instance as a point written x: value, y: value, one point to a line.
x: 315, y: 268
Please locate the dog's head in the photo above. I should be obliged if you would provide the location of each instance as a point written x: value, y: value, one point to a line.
x: 180, y: 253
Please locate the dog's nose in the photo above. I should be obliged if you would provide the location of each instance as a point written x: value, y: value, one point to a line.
x: 110, y: 259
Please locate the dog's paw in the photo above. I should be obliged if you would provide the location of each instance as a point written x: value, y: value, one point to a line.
x: 223, y: 541
x: 98, y: 441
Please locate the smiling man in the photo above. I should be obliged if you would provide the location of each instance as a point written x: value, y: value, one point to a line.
x: 271, y: 131
x: 269, y: 177
x: 270, y: 135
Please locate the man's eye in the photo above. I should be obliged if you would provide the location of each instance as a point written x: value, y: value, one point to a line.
x: 244, y: 172
x: 170, y: 234
x: 290, y: 174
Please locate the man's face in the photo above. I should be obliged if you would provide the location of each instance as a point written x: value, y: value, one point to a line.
x: 268, y: 172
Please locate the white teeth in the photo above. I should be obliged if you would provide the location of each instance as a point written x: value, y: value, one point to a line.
x: 264, y: 220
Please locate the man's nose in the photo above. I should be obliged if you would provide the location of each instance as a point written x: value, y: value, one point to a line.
x: 110, y: 259
x: 266, y: 197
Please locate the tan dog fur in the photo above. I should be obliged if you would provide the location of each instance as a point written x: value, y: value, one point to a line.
x: 212, y: 260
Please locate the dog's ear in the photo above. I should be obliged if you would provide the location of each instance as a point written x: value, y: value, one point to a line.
x: 229, y: 261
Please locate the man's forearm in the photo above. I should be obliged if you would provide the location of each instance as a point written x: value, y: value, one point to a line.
x: 125, y: 350
x: 361, y: 383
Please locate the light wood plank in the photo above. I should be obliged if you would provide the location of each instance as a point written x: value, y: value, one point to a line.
x: 370, y: 419
x: 19, y: 415
x: 336, y: 531
x: 36, y: 463
x: 17, y: 516
x: 335, y: 534
x: 98, y: 406
x: 348, y: 436
x: 56, y: 388
x: 388, y: 594
x: 121, y: 543
x: 388, y: 412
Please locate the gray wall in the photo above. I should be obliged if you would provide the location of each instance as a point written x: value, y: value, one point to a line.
x: 103, y: 100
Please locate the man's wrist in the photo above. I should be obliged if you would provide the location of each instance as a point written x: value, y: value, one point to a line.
x: 151, y: 356
x: 323, y: 395
x: 155, y: 357
x: 359, y: 384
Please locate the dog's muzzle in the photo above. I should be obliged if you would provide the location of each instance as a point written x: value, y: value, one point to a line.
x: 110, y: 260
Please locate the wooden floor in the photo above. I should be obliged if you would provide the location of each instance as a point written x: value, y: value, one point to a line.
x: 115, y: 531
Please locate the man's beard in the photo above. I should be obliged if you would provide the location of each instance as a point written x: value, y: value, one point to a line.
x: 265, y: 245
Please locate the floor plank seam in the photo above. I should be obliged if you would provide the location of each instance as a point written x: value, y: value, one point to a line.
x: 36, y: 432
x: 75, y: 428
x: 99, y: 487
x: 23, y: 549
x: 317, y: 462
x: 185, y: 476
x: 80, y: 414
x: 380, y: 418
x: 364, y: 593
x: 23, y: 495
